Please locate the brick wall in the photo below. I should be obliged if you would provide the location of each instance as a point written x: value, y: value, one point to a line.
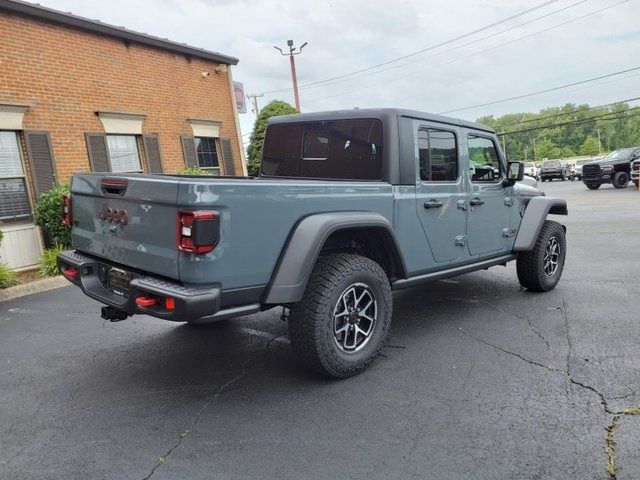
x: 66, y: 75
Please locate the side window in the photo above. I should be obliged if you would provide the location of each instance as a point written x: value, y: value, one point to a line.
x: 123, y: 153
x: 207, y: 154
x: 438, y: 156
x: 484, y: 160
x: 14, y: 199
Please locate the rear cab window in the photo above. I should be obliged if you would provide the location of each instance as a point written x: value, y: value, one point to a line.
x: 349, y: 149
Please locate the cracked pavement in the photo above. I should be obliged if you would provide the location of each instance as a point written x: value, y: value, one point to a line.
x: 479, y: 380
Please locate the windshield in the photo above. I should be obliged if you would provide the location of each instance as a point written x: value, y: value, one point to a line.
x: 582, y: 162
x: 530, y: 164
x: 618, y: 155
x: 551, y: 163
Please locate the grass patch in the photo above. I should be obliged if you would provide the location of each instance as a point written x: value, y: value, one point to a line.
x: 7, y: 277
x: 49, y: 262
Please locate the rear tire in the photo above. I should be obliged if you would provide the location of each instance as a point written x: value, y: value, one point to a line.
x: 540, y: 269
x: 621, y: 180
x: 347, y: 297
x: 592, y: 186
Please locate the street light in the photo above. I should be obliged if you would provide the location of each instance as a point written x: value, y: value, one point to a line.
x: 292, y: 52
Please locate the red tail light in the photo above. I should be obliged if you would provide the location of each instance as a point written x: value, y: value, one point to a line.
x: 70, y: 272
x: 145, y: 301
x: 197, y: 231
x: 67, y: 214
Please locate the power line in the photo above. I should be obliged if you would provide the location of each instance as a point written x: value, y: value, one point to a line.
x: 531, y: 94
x: 432, y: 47
x: 616, y: 116
x: 500, y: 45
x: 579, y: 110
x: 457, y: 47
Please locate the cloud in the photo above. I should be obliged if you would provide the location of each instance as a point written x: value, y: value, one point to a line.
x: 349, y: 35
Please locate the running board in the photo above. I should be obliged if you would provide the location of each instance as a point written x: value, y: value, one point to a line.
x: 452, y: 272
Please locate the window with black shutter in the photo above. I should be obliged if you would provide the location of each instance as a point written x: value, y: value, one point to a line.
x: 14, y: 197
x: 41, y: 161
x: 227, y: 157
x: 152, y: 152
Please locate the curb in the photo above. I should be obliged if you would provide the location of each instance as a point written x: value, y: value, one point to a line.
x: 38, y: 286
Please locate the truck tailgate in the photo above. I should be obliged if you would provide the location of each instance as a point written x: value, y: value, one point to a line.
x: 128, y: 219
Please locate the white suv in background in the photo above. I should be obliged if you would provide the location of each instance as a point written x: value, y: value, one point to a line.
x: 531, y: 169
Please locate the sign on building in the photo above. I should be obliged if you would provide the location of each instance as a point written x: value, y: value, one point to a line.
x: 238, y: 90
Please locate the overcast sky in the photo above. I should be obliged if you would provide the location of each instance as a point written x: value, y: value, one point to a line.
x: 345, y: 36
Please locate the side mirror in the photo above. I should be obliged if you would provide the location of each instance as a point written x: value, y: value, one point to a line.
x: 515, y: 172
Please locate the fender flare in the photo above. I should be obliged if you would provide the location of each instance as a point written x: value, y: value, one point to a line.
x: 291, y: 275
x: 534, y: 216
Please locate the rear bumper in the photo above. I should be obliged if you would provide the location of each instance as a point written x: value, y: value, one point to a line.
x: 552, y: 174
x: 189, y: 303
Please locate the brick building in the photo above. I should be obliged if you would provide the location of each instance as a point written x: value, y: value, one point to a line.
x: 80, y: 95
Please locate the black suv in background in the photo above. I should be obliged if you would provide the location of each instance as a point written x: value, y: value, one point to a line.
x: 551, y: 169
x: 615, y: 168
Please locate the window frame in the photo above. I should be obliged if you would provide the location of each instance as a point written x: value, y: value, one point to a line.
x: 27, y: 187
x: 137, y: 139
x: 456, y: 138
x: 383, y: 163
x: 216, y: 142
x: 501, y: 161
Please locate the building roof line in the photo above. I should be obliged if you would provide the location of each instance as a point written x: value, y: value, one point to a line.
x: 95, y: 26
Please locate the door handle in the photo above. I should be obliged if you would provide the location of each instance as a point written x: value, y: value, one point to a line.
x: 474, y: 202
x: 433, y: 203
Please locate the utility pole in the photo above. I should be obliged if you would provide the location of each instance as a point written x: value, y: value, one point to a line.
x: 599, y: 144
x: 535, y: 155
x: 294, y: 78
x: 504, y: 144
x: 254, y: 99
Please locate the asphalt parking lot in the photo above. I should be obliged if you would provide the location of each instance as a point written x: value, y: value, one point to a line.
x: 479, y: 380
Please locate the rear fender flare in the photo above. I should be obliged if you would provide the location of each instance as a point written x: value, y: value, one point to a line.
x: 299, y: 256
x: 534, y: 216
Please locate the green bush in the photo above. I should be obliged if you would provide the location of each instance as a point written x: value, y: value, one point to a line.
x: 194, y: 171
x: 254, y: 151
x: 48, y: 262
x: 7, y: 277
x: 49, y: 217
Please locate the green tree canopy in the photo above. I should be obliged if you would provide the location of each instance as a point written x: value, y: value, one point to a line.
x: 565, y: 131
x: 590, y: 146
x: 254, y: 151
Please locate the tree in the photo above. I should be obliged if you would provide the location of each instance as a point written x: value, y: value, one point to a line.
x: 547, y: 149
x: 254, y: 152
x: 590, y: 146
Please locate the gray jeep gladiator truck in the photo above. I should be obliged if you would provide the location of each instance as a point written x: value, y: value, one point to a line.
x: 348, y: 206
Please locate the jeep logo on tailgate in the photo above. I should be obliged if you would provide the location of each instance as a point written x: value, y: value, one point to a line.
x: 114, y: 215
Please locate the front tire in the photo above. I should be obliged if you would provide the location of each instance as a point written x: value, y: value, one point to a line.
x: 540, y: 269
x: 340, y: 324
x: 621, y: 180
x: 592, y: 186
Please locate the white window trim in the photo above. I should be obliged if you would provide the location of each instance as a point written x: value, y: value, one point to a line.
x: 12, y: 116
x: 122, y: 123
x: 205, y: 128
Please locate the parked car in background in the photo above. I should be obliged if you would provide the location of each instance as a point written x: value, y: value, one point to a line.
x: 532, y: 170
x: 579, y: 163
x: 337, y: 219
x: 615, y: 169
x: 551, y: 169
